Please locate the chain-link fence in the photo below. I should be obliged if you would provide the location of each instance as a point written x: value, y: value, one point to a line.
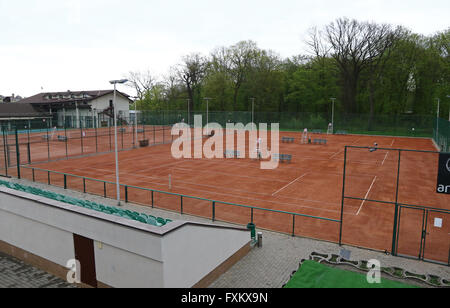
x: 441, y: 134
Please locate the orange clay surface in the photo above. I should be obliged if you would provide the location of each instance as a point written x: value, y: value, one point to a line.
x: 310, y: 185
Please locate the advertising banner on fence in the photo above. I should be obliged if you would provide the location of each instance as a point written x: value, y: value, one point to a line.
x: 444, y: 174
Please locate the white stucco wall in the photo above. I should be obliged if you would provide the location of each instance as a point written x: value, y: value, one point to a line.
x: 122, y: 269
x: 196, y: 250
x: 127, y: 253
x: 46, y: 241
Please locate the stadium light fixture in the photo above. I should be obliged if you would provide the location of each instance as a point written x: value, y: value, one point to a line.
x: 115, y: 82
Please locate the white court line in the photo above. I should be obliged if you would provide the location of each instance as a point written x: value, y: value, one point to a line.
x: 289, y: 184
x: 367, y: 195
x: 392, y: 144
x: 385, y: 159
x: 335, y: 154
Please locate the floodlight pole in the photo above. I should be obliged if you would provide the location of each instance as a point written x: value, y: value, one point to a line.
x: 448, y: 96
x: 253, y: 110
x: 439, y: 107
x: 189, y: 111
x: 437, y: 118
x: 332, y: 116
x: 207, y: 113
x: 135, y: 121
x: 115, y: 82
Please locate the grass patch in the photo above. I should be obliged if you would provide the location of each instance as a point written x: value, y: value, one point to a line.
x: 316, y: 275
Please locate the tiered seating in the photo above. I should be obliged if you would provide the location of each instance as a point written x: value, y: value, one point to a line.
x: 144, y: 218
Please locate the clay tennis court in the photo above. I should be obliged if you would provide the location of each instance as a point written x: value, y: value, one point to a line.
x: 310, y: 185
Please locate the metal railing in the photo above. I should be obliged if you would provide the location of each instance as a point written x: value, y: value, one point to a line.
x: 105, y: 188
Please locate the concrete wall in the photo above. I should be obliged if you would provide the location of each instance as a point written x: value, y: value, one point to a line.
x: 192, y: 253
x: 127, y: 253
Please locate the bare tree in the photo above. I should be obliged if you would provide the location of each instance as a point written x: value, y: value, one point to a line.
x: 241, y: 58
x: 141, y: 82
x: 357, y: 47
x: 192, y: 72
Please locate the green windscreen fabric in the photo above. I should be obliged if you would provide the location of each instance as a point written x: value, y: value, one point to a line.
x: 315, y: 275
x: 141, y: 217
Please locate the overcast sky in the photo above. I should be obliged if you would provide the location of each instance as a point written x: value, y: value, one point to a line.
x: 74, y: 45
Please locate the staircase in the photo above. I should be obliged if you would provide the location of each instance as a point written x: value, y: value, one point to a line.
x: 110, y: 113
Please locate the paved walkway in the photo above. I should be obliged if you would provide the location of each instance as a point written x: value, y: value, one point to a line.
x: 16, y: 274
x: 272, y: 265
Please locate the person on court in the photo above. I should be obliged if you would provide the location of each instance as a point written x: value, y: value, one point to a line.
x: 375, y: 148
x: 258, y: 148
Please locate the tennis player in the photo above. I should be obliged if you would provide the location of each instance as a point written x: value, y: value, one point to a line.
x: 258, y: 148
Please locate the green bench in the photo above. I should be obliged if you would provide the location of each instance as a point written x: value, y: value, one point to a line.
x: 341, y: 132
x: 283, y: 158
x: 232, y: 154
x: 320, y: 141
x: 288, y: 140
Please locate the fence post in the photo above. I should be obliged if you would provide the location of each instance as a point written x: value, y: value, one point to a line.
x: 32, y: 172
x: 153, y: 199
x: 29, y: 152
x: 104, y: 189
x: 96, y: 136
x: 66, y: 139
x: 84, y: 185
x: 65, y: 181
x: 126, y: 194
x: 251, y: 219
x: 5, y: 150
x: 214, y: 211
x: 181, y: 205
x: 18, y: 154
x: 343, y: 198
x: 394, y: 233
x: 48, y: 143
x: 81, y: 132
x: 48, y: 176
x: 293, y: 225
